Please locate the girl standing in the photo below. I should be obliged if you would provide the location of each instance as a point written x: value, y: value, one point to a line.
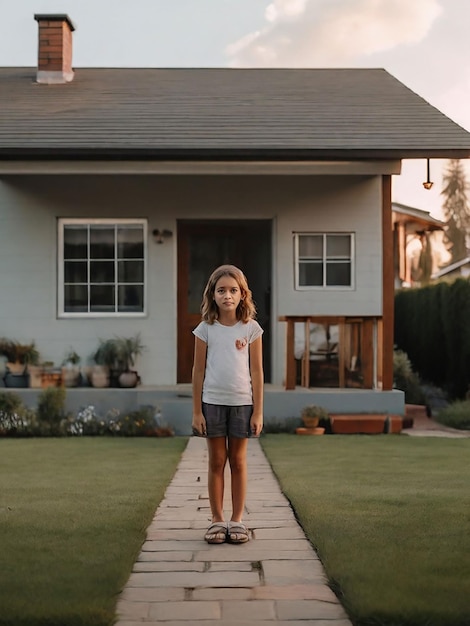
x: 227, y: 392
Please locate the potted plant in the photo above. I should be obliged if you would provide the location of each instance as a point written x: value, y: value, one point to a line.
x: 71, y: 375
x: 98, y: 372
x: 51, y: 376
x: 35, y: 375
x: 311, y: 416
x: 128, y: 349
x: 6, y: 355
x: 20, y: 356
x: 119, y: 355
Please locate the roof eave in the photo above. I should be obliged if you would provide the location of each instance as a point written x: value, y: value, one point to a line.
x: 239, y: 154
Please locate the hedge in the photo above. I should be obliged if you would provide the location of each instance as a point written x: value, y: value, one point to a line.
x: 432, y: 325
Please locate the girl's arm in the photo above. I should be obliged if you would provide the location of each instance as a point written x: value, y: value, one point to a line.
x: 199, y: 370
x: 257, y: 382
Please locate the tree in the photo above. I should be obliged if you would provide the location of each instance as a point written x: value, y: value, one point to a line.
x: 456, y: 210
x: 425, y: 259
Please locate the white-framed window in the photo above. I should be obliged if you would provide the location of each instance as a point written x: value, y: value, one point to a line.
x: 324, y: 260
x: 102, y: 267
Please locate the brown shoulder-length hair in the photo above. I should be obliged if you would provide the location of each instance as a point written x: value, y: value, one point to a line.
x: 246, y: 309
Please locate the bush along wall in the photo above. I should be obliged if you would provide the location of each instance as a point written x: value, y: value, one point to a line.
x: 432, y: 325
x: 50, y: 419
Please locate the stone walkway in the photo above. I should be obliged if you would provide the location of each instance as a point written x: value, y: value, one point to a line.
x: 178, y: 579
x: 424, y: 426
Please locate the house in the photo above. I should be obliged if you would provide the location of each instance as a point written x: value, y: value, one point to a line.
x: 459, y: 269
x: 415, y: 233
x: 121, y: 190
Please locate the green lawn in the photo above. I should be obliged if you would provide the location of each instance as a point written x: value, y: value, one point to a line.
x: 73, y: 514
x: 390, y: 519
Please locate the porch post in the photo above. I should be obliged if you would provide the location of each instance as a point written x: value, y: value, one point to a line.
x: 367, y: 340
x: 290, y: 355
x: 388, y: 289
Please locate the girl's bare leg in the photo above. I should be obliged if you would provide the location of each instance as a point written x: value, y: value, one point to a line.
x: 217, y: 448
x: 237, y: 459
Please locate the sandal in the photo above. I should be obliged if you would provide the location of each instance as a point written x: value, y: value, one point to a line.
x: 216, y: 533
x: 237, y: 532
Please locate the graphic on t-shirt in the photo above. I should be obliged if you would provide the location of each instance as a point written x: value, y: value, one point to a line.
x: 241, y: 343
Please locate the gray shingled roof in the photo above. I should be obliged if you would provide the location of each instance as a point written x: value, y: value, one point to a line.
x: 419, y: 215
x: 222, y: 113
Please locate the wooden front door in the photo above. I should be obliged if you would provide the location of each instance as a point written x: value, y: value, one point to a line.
x: 203, y: 246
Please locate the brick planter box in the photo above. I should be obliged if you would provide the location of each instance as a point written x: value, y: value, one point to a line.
x: 395, y: 424
x: 357, y: 424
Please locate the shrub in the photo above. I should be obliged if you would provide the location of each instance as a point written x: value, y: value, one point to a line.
x: 138, y: 422
x: 10, y: 402
x: 51, y: 411
x: 50, y: 419
x: 456, y: 415
x: 405, y: 379
x: 87, y: 422
x: 144, y: 421
x: 276, y: 426
x: 431, y: 326
x: 436, y: 398
x: 15, y: 418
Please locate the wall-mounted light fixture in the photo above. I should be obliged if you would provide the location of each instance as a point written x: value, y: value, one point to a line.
x: 159, y: 236
x: 428, y: 183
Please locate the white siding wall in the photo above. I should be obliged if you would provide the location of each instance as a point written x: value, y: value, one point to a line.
x: 30, y: 207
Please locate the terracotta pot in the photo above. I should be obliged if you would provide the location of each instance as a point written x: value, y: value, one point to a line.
x: 128, y: 379
x: 310, y: 431
x: 35, y: 376
x: 100, y: 376
x: 51, y: 378
x: 310, y: 422
x: 71, y: 375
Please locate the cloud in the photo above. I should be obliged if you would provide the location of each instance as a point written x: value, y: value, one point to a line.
x: 314, y: 33
x: 285, y: 9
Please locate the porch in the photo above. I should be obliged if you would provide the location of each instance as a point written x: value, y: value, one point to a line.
x: 175, y: 402
x: 334, y: 351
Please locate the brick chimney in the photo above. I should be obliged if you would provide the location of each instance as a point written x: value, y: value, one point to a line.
x: 55, y: 48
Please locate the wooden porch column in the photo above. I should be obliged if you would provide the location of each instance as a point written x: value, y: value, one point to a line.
x: 368, y: 353
x: 402, y: 269
x: 290, y: 354
x: 305, y: 374
x: 388, y: 289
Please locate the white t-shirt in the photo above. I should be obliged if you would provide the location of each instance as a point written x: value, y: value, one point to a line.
x: 227, y: 378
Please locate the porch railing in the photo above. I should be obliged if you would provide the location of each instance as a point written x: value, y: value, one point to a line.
x: 348, y: 353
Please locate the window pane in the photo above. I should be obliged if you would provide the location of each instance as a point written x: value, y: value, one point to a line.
x: 131, y: 298
x: 311, y: 246
x: 102, y: 272
x: 75, y: 242
x: 75, y: 271
x: 338, y: 246
x: 101, y: 242
x: 103, y: 266
x: 338, y: 274
x: 310, y: 274
x: 75, y: 298
x: 102, y: 298
x: 130, y: 242
x: 131, y: 271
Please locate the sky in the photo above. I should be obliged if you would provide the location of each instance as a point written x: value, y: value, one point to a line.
x: 423, y: 43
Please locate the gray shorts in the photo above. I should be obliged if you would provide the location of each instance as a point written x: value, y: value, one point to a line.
x: 227, y: 421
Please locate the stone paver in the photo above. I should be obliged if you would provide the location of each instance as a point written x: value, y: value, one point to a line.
x: 179, y: 579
